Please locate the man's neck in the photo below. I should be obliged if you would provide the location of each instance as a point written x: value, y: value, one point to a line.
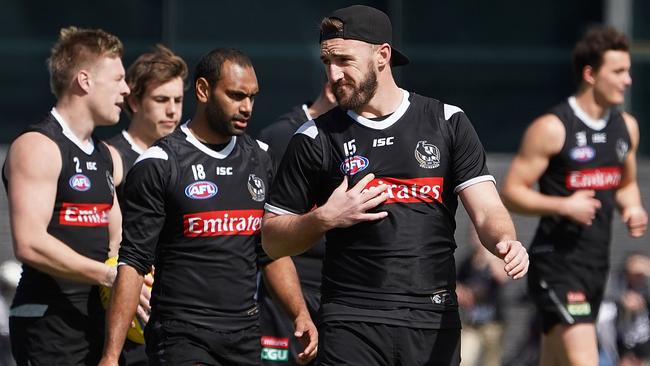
x: 201, y: 130
x: 77, y: 116
x: 386, y: 101
x: 590, y: 104
x: 139, y: 136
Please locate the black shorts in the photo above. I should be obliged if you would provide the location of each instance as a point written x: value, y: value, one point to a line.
x: 61, y: 336
x: 565, y: 292
x: 279, y: 346
x: 133, y: 354
x: 373, y: 344
x: 178, y: 343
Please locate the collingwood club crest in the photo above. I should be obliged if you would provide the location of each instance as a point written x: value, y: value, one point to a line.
x: 427, y: 155
x: 621, y: 149
x: 256, y: 188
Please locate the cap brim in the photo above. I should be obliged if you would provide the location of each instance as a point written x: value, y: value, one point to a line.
x: 398, y: 58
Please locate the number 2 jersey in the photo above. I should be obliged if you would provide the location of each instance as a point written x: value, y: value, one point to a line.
x: 427, y: 152
x: 195, y: 213
x: 84, y: 198
x: 592, y: 158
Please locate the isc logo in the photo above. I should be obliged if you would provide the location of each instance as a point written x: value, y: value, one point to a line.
x: 354, y: 165
x: 201, y: 190
x: 79, y: 182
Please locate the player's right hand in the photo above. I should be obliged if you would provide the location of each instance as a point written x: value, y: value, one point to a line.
x: 347, y: 207
x: 581, y: 207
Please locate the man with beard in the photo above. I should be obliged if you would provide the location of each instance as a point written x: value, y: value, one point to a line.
x: 383, y: 170
x: 193, y: 206
x: 154, y: 106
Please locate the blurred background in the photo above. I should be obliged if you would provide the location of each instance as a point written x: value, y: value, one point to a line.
x: 503, y: 62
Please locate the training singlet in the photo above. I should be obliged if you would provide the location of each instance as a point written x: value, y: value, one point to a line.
x: 427, y: 152
x: 84, y: 198
x: 591, y: 159
x: 310, y: 263
x: 196, y: 213
x: 129, y: 152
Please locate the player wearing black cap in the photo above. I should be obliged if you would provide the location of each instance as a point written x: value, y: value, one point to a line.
x: 193, y: 207
x: 582, y: 153
x: 383, y: 170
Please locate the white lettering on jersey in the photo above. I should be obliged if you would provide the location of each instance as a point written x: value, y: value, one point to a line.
x: 383, y: 141
x: 350, y: 148
x: 91, y: 165
x: 599, y: 138
x: 223, y: 170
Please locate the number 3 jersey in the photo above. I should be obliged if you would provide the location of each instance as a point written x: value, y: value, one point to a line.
x: 591, y: 158
x: 426, y: 152
x: 84, y: 198
x: 195, y: 213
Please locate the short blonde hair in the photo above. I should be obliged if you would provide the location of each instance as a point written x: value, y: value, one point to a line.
x: 76, y: 48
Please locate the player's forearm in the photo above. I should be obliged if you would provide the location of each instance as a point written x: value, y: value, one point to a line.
x: 494, y: 226
x: 288, y: 235
x: 121, y: 309
x: 49, y: 255
x: 282, y: 279
x: 527, y: 201
x: 628, y: 196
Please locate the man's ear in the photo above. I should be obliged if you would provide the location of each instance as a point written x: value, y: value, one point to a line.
x: 202, y: 88
x: 84, y: 80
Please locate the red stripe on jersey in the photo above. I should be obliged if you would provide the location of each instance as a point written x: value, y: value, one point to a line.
x: 413, y: 190
x: 217, y: 223
x: 598, y: 178
x: 84, y: 214
x: 275, y: 342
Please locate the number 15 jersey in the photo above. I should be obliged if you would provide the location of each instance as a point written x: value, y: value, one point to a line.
x: 426, y: 152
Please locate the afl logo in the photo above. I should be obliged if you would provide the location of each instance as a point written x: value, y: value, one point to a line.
x: 201, y: 190
x: 582, y: 153
x: 256, y: 188
x: 427, y: 155
x: 354, y: 165
x: 79, y: 182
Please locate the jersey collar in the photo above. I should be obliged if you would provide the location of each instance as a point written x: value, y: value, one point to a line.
x: 594, y: 124
x: 67, y: 132
x: 222, y: 154
x: 383, y: 124
x: 134, y: 146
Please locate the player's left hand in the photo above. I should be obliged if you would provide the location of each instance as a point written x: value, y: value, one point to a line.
x: 636, y: 219
x: 306, y: 333
x: 144, y: 307
x: 515, y: 256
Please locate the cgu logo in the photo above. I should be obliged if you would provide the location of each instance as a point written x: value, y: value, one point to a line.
x: 273, y: 354
x: 354, y: 165
x: 79, y: 182
x: 201, y: 190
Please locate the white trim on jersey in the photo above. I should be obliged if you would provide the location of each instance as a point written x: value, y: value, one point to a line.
x: 264, y: 146
x: 450, y: 110
x: 475, y: 180
x: 308, y: 128
x: 129, y: 139
x: 199, y: 145
x: 277, y: 210
x: 594, y: 124
x: 385, y: 123
x: 87, y: 148
x: 154, y: 152
x: 305, y: 109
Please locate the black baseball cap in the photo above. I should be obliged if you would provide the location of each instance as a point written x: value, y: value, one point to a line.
x: 367, y: 24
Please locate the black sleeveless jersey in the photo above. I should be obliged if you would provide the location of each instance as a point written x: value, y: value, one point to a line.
x: 84, y: 198
x: 277, y: 135
x: 590, y: 159
x: 196, y: 213
x: 426, y: 151
x: 129, y: 153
